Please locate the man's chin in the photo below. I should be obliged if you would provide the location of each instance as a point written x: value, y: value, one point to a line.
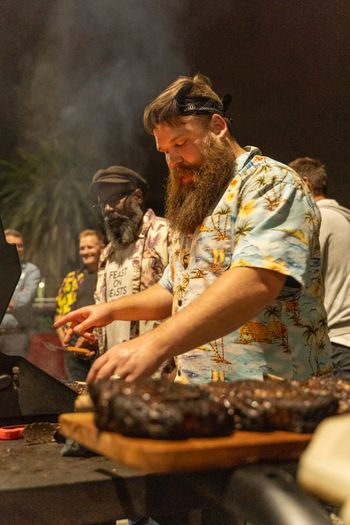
x: 89, y: 260
x: 185, y: 180
x: 182, y: 177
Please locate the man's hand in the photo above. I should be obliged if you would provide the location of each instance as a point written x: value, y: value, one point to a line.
x: 81, y: 321
x: 134, y: 359
x: 89, y: 344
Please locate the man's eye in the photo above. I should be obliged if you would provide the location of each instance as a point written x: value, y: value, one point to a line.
x: 180, y: 144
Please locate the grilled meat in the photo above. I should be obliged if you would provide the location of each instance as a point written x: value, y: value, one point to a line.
x: 159, y: 410
x: 166, y: 410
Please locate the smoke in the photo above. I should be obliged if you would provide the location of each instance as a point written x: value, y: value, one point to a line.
x: 99, y: 63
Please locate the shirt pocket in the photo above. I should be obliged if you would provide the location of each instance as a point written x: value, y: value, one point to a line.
x: 152, y: 269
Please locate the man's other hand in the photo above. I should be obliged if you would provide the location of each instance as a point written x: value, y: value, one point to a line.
x: 83, y: 320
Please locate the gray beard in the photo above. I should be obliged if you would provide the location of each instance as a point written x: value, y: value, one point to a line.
x: 123, y: 230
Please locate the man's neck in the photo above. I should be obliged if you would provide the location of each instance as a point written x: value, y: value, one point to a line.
x: 237, y: 149
x: 92, y: 268
x: 319, y: 197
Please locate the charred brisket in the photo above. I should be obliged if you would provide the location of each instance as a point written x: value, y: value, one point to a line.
x: 166, y: 410
x: 159, y: 410
x: 337, y: 387
x: 270, y: 405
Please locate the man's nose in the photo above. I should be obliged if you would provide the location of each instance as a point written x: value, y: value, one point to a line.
x: 107, y: 207
x: 173, y: 159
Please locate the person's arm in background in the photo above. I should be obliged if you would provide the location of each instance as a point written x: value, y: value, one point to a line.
x: 325, y: 238
x: 25, y: 295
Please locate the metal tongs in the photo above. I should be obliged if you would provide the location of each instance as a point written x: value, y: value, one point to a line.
x: 76, y: 350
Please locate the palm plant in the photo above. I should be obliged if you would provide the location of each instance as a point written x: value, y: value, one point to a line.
x: 44, y: 194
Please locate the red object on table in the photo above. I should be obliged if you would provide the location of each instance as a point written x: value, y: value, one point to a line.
x: 11, y: 432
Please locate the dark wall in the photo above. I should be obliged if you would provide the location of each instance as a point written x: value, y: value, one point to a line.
x: 287, y: 65
x: 22, y: 25
x: 84, y: 70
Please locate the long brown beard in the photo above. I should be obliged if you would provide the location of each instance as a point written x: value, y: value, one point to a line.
x: 187, y: 205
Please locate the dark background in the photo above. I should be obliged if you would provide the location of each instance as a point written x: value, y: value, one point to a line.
x: 82, y: 71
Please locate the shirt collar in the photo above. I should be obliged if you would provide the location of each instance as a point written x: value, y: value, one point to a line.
x: 244, y: 158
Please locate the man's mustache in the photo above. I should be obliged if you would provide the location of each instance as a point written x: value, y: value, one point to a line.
x: 115, y: 215
x: 183, y: 168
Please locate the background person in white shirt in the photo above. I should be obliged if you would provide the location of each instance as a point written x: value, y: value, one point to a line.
x: 335, y: 249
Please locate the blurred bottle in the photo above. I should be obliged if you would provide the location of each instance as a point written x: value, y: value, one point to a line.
x: 41, y: 289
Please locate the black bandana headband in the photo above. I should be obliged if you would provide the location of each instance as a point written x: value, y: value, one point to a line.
x: 200, y: 105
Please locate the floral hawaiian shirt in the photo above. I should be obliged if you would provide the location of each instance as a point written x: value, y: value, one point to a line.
x: 149, y: 258
x: 265, y: 219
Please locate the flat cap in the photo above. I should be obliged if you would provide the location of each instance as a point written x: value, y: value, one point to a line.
x: 118, y: 175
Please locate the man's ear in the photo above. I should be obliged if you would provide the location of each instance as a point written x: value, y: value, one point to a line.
x: 219, y: 125
x: 307, y: 182
x: 139, y: 195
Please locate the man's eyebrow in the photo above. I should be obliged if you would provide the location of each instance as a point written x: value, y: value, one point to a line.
x: 180, y: 136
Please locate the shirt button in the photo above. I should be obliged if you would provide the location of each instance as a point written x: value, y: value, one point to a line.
x: 179, y: 303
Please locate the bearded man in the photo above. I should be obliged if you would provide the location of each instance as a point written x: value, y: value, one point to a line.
x: 137, y: 253
x: 243, y: 285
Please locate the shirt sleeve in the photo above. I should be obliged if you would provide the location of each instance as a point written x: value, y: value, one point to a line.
x: 25, y: 296
x: 276, y: 225
x: 166, y: 280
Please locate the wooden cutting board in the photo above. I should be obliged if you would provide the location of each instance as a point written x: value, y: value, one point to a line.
x: 186, y: 455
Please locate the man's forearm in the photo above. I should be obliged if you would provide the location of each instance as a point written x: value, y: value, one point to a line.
x: 153, y: 303
x: 235, y: 298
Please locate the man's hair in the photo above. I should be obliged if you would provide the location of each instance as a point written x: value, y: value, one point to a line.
x: 14, y: 233
x: 314, y: 171
x: 96, y: 233
x: 165, y: 107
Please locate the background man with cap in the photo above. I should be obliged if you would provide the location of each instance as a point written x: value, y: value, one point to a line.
x: 137, y: 253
